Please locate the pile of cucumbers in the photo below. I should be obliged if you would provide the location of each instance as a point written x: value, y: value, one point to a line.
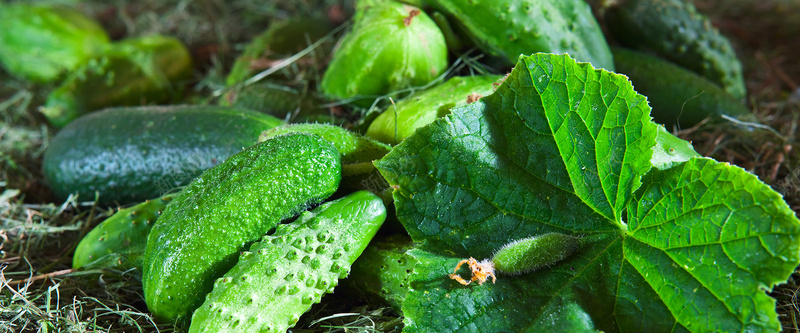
x: 211, y: 188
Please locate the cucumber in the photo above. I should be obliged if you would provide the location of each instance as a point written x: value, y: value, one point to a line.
x: 383, y: 272
x: 119, y: 241
x: 510, y: 28
x: 392, y: 46
x: 201, y: 232
x: 133, y: 154
x: 354, y: 148
x: 674, y: 30
x: 136, y: 71
x: 41, y: 42
x: 536, y: 252
x: 677, y: 95
x: 284, y: 274
x: 399, y: 121
x: 280, y: 41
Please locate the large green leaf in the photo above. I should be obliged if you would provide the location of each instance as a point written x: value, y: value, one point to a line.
x: 562, y: 147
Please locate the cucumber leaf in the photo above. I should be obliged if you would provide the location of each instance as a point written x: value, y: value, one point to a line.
x: 688, y: 245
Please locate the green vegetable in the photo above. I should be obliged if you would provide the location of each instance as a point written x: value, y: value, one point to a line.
x: 282, y: 275
x: 201, y: 232
x: 40, y: 42
x: 384, y: 271
x: 137, y: 71
x: 532, y: 253
x: 674, y: 30
x: 391, y: 46
x: 677, y: 96
x: 133, y: 154
x: 119, y: 241
x: 353, y: 147
x: 398, y: 121
x: 510, y: 28
x: 282, y: 40
x: 563, y: 147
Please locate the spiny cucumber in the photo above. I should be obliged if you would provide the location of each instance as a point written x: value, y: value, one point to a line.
x: 674, y: 30
x: 119, y: 240
x: 353, y: 147
x: 282, y: 275
x: 201, y: 232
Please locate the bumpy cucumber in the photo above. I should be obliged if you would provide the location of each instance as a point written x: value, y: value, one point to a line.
x: 391, y: 46
x: 133, y: 154
x: 384, y: 271
x: 510, y: 28
x: 40, y: 42
x: 677, y: 95
x: 136, y: 71
x: 353, y: 147
x: 532, y: 253
x: 119, y: 240
x: 281, y: 40
x: 199, y: 235
x: 282, y: 275
x: 674, y: 30
x: 399, y: 121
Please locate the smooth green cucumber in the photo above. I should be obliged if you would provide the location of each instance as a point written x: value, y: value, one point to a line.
x: 40, y: 42
x: 119, y: 240
x: 280, y: 41
x: 133, y: 154
x: 677, y: 95
x: 384, y: 270
x: 199, y: 235
x: 674, y: 30
x: 137, y: 71
x: 399, y: 121
x: 391, y: 46
x: 285, y: 273
x: 510, y: 28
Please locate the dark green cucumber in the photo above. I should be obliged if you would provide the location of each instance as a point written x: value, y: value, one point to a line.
x: 40, y: 42
x: 510, y: 28
x: 674, y: 30
x: 133, y: 154
x: 285, y: 273
x: 119, y: 240
x: 201, y: 232
x: 677, y: 95
x: 399, y: 121
x: 136, y: 71
x: 383, y: 272
x: 392, y: 46
x: 280, y: 41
